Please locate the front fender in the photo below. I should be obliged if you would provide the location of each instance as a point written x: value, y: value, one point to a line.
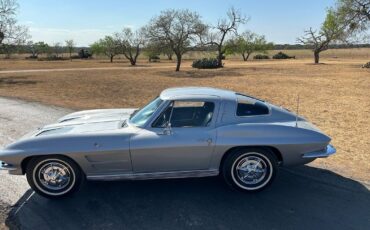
x: 93, y: 153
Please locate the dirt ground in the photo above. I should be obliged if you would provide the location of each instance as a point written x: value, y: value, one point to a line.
x: 4, y: 209
x: 334, y: 95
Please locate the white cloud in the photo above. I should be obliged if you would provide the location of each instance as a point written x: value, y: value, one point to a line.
x: 82, y: 37
x: 129, y: 26
x: 29, y: 23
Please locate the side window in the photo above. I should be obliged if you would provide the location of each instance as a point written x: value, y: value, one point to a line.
x: 250, y: 107
x: 186, y: 114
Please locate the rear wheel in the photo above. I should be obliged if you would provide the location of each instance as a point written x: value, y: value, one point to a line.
x: 54, y: 176
x: 250, y: 169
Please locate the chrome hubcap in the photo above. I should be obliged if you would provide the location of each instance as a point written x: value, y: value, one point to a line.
x: 54, y: 176
x: 251, y: 170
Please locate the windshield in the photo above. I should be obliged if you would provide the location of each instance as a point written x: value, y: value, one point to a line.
x: 143, y: 115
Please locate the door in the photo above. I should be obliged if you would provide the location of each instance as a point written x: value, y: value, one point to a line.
x: 181, y: 138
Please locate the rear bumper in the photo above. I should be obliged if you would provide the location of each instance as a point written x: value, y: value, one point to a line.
x: 329, y: 150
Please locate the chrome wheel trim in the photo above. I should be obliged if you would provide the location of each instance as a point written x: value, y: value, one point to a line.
x: 60, y: 167
x: 255, y: 167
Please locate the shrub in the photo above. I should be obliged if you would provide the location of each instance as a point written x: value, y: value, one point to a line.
x: 282, y: 55
x: 83, y: 54
x: 31, y: 57
x: 154, y: 58
x: 367, y: 65
x: 205, y: 63
x: 75, y: 57
x: 261, y: 56
x: 52, y: 58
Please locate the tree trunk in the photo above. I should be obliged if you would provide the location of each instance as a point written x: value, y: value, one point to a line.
x: 169, y: 56
x: 219, y: 57
x: 2, y: 36
x: 132, y: 61
x: 111, y: 58
x: 317, y: 56
x: 178, y: 56
x: 245, y: 58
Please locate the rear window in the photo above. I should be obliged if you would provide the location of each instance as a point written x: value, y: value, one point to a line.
x: 250, y: 107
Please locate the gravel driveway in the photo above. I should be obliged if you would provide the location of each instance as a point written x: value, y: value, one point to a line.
x: 301, y: 198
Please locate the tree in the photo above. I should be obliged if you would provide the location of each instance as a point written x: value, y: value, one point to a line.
x: 357, y: 12
x: 333, y: 29
x: 248, y: 43
x: 166, y: 50
x: 355, y: 16
x: 107, y: 46
x: 10, y: 32
x: 179, y: 29
x: 225, y: 26
x: 57, y: 48
x: 157, y: 48
x: 70, y: 44
x: 130, y: 43
x: 8, y: 50
x: 37, y: 48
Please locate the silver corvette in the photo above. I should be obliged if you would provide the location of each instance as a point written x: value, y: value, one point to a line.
x: 184, y: 132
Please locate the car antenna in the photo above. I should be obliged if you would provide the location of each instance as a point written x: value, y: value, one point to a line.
x: 296, y: 115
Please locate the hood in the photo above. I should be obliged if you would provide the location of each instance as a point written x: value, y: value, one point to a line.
x: 87, y: 121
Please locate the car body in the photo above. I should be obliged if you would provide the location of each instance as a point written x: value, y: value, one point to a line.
x: 184, y: 132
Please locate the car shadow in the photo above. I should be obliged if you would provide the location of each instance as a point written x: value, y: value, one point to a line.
x: 301, y: 198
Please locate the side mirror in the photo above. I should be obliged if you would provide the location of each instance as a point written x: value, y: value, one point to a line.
x: 167, y: 130
x: 167, y: 125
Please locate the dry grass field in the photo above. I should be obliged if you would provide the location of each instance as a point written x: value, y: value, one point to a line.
x: 335, y: 95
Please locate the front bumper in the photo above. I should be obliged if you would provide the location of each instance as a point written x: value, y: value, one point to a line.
x: 8, y: 167
x: 329, y: 150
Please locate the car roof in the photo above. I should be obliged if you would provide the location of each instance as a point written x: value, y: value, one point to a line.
x: 196, y: 92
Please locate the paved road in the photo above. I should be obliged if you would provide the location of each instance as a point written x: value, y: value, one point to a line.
x: 16, y: 119
x: 301, y: 198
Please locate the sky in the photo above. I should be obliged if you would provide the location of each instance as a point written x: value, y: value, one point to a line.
x: 86, y: 21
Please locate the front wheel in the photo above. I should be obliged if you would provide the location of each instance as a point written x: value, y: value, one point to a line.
x: 54, y: 176
x: 250, y: 169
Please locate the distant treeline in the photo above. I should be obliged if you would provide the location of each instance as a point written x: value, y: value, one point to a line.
x: 333, y: 46
x: 296, y: 47
x: 22, y: 49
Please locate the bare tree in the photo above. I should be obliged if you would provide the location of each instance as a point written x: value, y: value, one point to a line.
x: 180, y: 29
x: 57, y: 48
x: 70, y: 44
x: 130, y: 43
x: 331, y: 30
x: 10, y: 32
x: 218, y: 33
x: 107, y: 46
